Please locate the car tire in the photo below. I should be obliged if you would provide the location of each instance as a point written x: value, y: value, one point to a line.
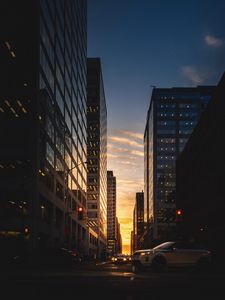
x: 159, y: 264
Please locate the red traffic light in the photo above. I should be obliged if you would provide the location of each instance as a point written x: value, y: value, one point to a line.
x: 80, y: 211
x: 26, y: 230
x: 179, y: 212
x: 26, y: 233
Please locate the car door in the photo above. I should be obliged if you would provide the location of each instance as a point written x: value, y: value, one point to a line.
x: 182, y: 256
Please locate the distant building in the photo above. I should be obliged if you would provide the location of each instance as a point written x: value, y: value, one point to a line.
x: 200, y: 178
x: 97, y: 153
x: 43, y: 124
x: 138, y: 221
x: 132, y: 242
x: 171, y: 118
x: 111, y: 213
x: 119, y: 242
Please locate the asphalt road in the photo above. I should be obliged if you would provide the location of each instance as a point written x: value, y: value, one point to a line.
x: 108, y: 281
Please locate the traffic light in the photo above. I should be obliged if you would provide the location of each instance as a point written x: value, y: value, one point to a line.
x: 178, y: 212
x: 80, y: 212
x: 179, y: 215
x: 26, y: 233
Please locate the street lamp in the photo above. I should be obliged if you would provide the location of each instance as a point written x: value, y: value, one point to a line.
x: 68, y: 170
x: 69, y: 211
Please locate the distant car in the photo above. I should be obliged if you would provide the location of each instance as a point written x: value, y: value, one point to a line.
x: 121, y: 258
x: 171, y: 254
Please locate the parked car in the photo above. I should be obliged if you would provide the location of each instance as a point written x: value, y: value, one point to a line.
x: 171, y: 254
x: 121, y: 258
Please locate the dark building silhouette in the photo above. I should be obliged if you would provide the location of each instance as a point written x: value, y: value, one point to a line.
x: 111, y: 213
x: 119, y: 241
x: 171, y: 118
x: 43, y: 124
x: 200, y: 178
x: 97, y: 153
x: 138, y: 222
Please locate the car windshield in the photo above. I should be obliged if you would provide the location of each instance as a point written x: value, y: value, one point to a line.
x: 165, y: 245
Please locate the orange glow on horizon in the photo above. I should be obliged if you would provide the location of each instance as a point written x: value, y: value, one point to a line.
x: 126, y: 160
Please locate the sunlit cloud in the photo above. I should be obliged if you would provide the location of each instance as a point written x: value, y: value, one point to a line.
x: 127, y: 133
x: 213, y: 41
x: 138, y: 153
x: 112, y: 149
x: 123, y: 140
x: 112, y: 155
x: 192, y: 74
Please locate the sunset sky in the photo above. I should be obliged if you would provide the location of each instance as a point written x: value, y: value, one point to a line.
x: 143, y: 43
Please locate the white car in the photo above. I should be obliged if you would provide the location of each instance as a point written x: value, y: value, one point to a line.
x: 171, y: 254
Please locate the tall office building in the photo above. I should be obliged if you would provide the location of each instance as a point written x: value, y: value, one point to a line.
x: 43, y: 123
x: 97, y: 153
x: 111, y: 213
x: 171, y: 118
x: 200, y: 188
x: 138, y: 221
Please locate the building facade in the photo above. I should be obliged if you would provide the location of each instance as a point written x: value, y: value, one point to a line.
x: 138, y: 222
x: 200, y: 179
x: 119, y: 241
x: 43, y: 109
x: 97, y: 153
x: 111, y: 213
x: 171, y: 118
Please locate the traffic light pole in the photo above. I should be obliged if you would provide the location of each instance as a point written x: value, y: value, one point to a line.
x: 69, y: 212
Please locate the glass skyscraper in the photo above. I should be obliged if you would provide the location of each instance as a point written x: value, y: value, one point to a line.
x: 171, y: 118
x: 97, y: 153
x: 43, y: 106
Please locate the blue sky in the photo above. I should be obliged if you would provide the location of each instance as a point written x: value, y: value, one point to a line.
x: 166, y: 43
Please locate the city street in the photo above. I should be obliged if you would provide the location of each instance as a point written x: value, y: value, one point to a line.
x: 108, y: 281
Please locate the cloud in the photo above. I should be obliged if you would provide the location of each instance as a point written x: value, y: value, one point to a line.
x: 192, y: 74
x: 112, y: 155
x: 213, y: 41
x: 135, y: 135
x: 123, y: 140
x: 137, y: 153
x: 118, y: 150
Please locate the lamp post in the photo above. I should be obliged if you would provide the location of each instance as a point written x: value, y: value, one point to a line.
x: 69, y: 211
x: 68, y: 170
